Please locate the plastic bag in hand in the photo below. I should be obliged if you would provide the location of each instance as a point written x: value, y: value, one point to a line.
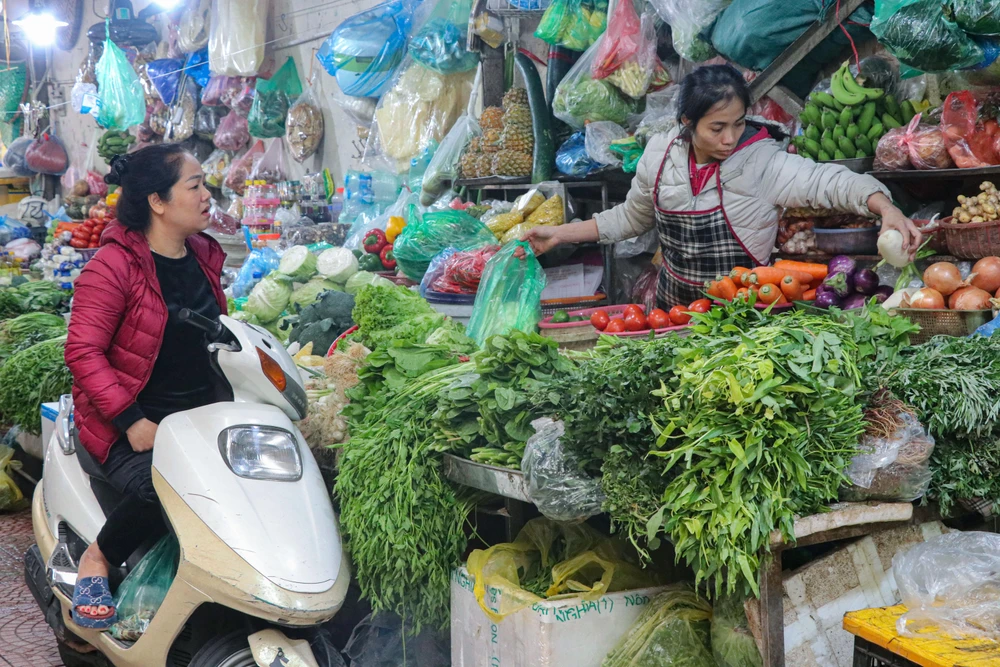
x: 922, y: 34
x: 949, y: 586
x: 572, y: 158
x: 439, y: 43
x: 272, y: 98
x: 443, y: 170
x: 510, y: 294
x: 462, y: 271
x: 427, y: 235
x: 237, y: 36
x: 689, y: 21
x: 232, y: 133
x: 47, y: 155
x: 304, y: 125
x: 555, y: 484
x: 121, y: 100
x: 141, y: 594
x: 580, y: 98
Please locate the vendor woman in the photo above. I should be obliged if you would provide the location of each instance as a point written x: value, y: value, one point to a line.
x: 714, y: 188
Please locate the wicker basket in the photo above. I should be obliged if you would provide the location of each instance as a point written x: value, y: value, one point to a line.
x: 943, y: 322
x: 972, y: 240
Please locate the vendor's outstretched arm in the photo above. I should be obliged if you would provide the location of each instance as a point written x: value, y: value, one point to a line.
x: 545, y: 238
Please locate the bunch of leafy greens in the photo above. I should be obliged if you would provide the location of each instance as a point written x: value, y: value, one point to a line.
x: 33, y: 297
x: 732, y: 643
x: 31, y: 377
x: 387, y: 314
x: 23, y: 331
x: 761, y: 425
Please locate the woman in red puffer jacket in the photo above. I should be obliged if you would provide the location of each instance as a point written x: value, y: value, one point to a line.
x: 133, y: 363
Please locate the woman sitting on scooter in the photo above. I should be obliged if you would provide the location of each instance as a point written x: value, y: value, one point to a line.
x: 133, y: 362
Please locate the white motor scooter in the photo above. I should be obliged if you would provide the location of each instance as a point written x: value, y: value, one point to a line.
x: 259, y: 544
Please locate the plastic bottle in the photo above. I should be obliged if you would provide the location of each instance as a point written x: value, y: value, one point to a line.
x: 337, y: 205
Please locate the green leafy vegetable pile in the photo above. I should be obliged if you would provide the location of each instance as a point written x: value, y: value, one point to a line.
x: 31, y: 377
x: 33, y: 297
x: 23, y: 331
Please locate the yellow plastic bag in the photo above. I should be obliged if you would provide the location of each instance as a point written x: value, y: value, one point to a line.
x: 569, y: 560
x: 10, y: 494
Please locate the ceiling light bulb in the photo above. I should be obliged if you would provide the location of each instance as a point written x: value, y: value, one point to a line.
x: 168, y: 4
x: 39, y: 28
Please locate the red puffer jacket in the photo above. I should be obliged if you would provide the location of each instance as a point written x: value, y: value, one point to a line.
x: 116, y: 328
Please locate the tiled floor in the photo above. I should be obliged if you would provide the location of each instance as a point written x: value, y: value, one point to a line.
x: 25, y: 639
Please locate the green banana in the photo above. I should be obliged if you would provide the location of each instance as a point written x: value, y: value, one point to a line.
x: 847, y: 146
x: 839, y: 155
x: 860, y: 155
x: 828, y: 145
x: 852, y: 86
x: 829, y: 120
x: 845, y: 117
x: 876, y: 132
x: 838, y: 106
x: 811, y: 114
x: 823, y: 100
x: 867, y: 117
x: 838, y: 132
x: 840, y: 93
x: 892, y: 106
x: 890, y: 122
x: 864, y: 144
x: 823, y: 156
x: 907, y: 111
x: 812, y: 132
x: 853, y: 131
x: 812, y: 147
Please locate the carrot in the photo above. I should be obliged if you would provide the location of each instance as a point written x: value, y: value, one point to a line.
x: 769, y: 293
x: 754, y: 288
x: 743, y: 293
x: 728, y: 288
x: 809, y: 295
x: 766, y: 275
x: 737, y: 274
x: 817, y: 271
x: 714, y: 289
x: 782, y: 300
x: 791, y: 288
x: 803, y: 277
x: 745, y: 278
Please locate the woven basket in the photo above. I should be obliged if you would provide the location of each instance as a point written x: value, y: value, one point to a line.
x: 971, y: 240
x: 943, y: 322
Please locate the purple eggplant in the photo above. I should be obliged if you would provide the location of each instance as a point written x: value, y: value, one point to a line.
x: 883, y: 293
x: 826, y: 299
x: 841, y: 283
x: 854, y: 301
x: 865, y: 281
x: 842, y: 264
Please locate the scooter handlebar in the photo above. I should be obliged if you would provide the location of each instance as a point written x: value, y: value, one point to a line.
x: 212, y: 328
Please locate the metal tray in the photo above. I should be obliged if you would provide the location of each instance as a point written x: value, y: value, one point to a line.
x: 500, y: 481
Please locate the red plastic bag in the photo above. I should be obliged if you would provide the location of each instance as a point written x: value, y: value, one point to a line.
x: 626, y: 55
x: 969, y: 143
x: 240, y: 170
x: 233, y: 133
x: 463, y: 271
x: 917, y: 145
x: 47, y: 155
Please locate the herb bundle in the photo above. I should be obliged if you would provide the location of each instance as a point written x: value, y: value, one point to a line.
x: 31, y: 377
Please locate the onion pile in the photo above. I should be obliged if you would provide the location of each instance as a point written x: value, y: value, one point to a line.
x: 926, y: 298
x: 986, y: 275
x: 944, y: 277
x: 944, y: 281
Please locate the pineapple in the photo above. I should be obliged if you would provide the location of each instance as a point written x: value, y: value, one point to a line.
x: 492, y: 119
x: 512, y: 163
x: 484, y: 165
x: 517, y: 116
x: 517, y: 138
x: 515, y: 97
x: 470, y: 165
x: 491, y: 141
x: 474, y: 145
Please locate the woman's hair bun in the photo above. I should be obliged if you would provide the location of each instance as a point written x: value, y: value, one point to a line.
x: 119, y: 167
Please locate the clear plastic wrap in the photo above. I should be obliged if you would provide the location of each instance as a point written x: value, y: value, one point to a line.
x: 733, y: 644
x: 216, y: 166
x: 917, y: 145
x: 672, y: 631
x: 644, y: 289
x: 556, y: 484
x: 891, y: 153
x: 192, y: 29
x: 181, y: 117
x: 690, y: 21
x: 893, y: 466
x: 510, y: 294
x: 121, y: 100
x: 233, y: 132
x: 950, y: 587
x: 627, y: 57
x: 237, y: 36
x: 444, y: 168
x: 439, y: 41
x: 580, y: 98
x: 361, y: 110
x: 461, y: 272
x: 141, y: 593
x: 272, y: 98
x: 240, y: 170
x: 272, y: 165
x: 221, y: 222
x: 304, y: 124
x: 207, y: 121
x: 600, y: 134
x: 572, y: 158
x: 923, y: 35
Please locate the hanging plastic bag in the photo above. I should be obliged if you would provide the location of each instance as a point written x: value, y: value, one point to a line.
x: 207, y: 121
x: 969, y: 143
x: 444, y: 168
x: 216, y: 166
x: 364, y: 52
x: 573, y: 24
x: 673, y: 629
x: 360, y: 110
x: 212, y: 94
x: 47, y: 155
x: 510, y: 294
x: 141, y: 594
x: 690, y: 22
x: 10, y: 493
x: 580, y: 98
x: 552, y: 559
x: 272, y: 97
x: 921, y: 34
x: 627, y: 56
x: 599, y: 138
x: 221, y: 222
x: 427, y: 235
x: 572, y: 158
x: 166, y: 77
x: 439, y: 43
x: 181, y: 116
x: 121, y: 100
x: 272, y: 166
x: 13, y: 79
x: 304, y: 124
x: 196, y: 67
x: 237, y: 36
x: 977, y: 17
x: 95, y: 179
x: 232, y: 133
x: 242, y: 102
x: 240, y: 170
x: 14, y: 157
x: 192, y: 29
x: 556, y: 485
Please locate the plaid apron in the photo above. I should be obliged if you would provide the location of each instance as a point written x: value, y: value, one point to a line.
x: 697, y: 246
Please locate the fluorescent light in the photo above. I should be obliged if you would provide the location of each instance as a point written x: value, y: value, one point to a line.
x: 168, y: 4
x: 39, y: 28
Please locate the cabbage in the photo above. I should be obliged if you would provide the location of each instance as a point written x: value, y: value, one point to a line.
x: 244, y: 316
x: 276, y: 330
x: 306, y: 294
x: 337, y: 264
x: 298, y: 264
x: 362, y: 278
x: 269, y: 298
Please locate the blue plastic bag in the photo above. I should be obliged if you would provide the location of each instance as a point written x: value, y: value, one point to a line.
x: 572, y: 158
x: 989, y: 328
x: 439, y: 44
x: 197, y: 67
x: 165, y: 74
x: 365, y: 51
x: 255, y: 267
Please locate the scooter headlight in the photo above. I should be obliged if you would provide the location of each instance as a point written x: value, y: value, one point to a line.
x: 261, y: 452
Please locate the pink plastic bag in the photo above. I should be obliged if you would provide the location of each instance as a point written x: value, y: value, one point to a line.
x: 96, y: 184
x: 222, y: 222
x: 218, y: 88
x: 917, y: 145
x: 233, y: 133
x: 242, y: 102
x: 240, y: 170
x: 47, y: 155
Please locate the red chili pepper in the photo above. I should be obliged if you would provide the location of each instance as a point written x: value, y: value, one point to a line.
x: 374, y: 241
x: 388, y: 258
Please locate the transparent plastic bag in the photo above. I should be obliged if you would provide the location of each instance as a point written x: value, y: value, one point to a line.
x: 233, y: 132
x: 672, y: 630
x: 427, y: 235
x: 257, y: 265
x: 733, y: 644
x: 181, y: 117
x: 949, y: 586
x: 216, y: 166
x: 435, y: 270
x: 580, y: 98
x: 627, y: 57
x: 444, y: 168
x: 212, y: 95
x: 47, y: 155
x: 461, y: 272
x: 965, y: 135
x: 121, y: 100
x: 14, y: 157
x: 360, y: 110
x: 917, y: 145
x: 572, y: 158
x: 272, y: 165
x: 690, y: 21
x: 272, y: 98
x: 439, y: 43
x: 510, y: 294
x: 192, y: 29
x: 141, y: 593
x: 894, y: 466
x: 304, y: 124
x: 599, y: 137
x: 207, y: 121
x: 548, y: 559
x: 364, y: 52
x: 237, y: 36
x: 240, y: 170
x: 573, y: 24
x: 644, y: 289
x: 381, y: 640
x: 922, y: 34
x: 221, y: 222
x: 556, y: 484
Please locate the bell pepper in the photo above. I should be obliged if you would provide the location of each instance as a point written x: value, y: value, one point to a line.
x: 388, y: 258
x: 112, y: 199
x: 370, y: 263
x: 374, y: 241
x: 394, y: 228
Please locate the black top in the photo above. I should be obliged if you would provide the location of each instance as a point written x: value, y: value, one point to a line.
x: 182, y: 377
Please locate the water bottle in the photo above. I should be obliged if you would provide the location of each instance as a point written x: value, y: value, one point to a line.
x: 337, y: 205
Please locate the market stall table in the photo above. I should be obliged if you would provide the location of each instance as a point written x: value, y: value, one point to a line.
x: 876, y: 642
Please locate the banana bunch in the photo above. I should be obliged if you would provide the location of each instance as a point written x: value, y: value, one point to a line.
x: 848, y: 122
x: 114, y: 143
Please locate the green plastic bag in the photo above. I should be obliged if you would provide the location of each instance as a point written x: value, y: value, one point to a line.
x: 271, y: 101
x: 921, y: 34
x: 978, y: 17
x: 120, y: 96
x: 143, y: 590
x: 509, y: 296
x: 427, y: 235
x: 12, y: 83
x: 573, y: 24
x: 629, y: 150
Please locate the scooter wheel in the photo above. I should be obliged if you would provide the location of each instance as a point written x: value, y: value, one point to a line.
x: 232, y: 650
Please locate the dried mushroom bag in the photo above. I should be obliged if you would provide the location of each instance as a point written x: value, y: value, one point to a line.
x: 304, y: 125
x: 272, y: 98
x: 237, y: 34
x: 120, y: 96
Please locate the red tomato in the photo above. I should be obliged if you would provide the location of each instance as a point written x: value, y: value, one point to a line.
x: 636, y: 322
x: 616, y: 325
x: 632, y: 309
x: 679, y: 315
x: 600, y: 320
x: 700, y: 306
x: 658, y: 319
